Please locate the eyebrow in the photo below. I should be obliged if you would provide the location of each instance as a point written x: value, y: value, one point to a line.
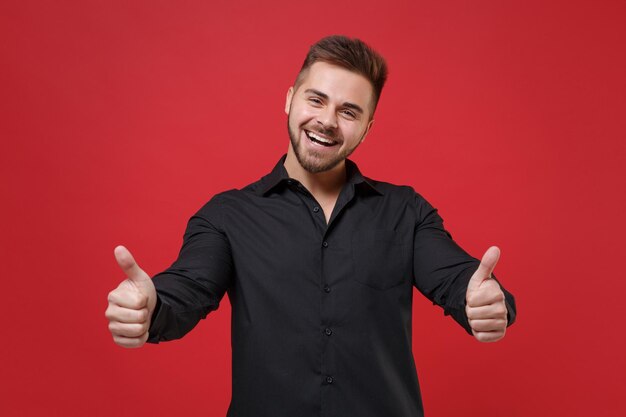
x: 325, y: 96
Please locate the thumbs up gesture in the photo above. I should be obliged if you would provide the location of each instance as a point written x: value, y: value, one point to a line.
x: 485, y: 306
x: 131, y: 304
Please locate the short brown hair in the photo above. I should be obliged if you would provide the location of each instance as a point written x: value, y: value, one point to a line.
x: 351, y: 54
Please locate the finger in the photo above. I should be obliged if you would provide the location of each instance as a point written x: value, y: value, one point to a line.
x: 487, y: 337
x: 126, y: 261
x: 128, y: 329
x: 488, y: 293
x: 488, y: 325
x: 486, y: 267
x: 128, y: 298
x: 130, y: 342
x: 126, y: 315
x: 492, y: 311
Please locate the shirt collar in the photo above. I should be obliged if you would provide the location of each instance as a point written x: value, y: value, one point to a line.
x: 279, y: 175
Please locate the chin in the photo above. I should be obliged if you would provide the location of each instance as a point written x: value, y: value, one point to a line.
x: 316, y: 165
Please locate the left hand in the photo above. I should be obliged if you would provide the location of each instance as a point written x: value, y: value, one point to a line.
x: 485, y: 306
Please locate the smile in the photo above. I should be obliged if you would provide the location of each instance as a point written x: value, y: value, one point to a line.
x: 317, y: 138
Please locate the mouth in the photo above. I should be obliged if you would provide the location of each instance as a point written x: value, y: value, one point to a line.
x: 319, y: 139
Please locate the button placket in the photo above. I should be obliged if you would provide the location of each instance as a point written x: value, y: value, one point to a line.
x: 327, y: 332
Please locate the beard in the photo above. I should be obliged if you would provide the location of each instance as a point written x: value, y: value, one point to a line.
x: 312, y: 161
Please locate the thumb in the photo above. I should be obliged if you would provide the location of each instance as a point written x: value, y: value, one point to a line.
x: 126, y: 261
x: 486, y: 267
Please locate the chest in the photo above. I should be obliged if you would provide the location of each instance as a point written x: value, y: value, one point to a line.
x: 291, y: 243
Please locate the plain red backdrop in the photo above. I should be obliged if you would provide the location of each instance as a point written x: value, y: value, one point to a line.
x: 120, y: 119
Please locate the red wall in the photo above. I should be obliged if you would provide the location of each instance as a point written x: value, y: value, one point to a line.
x: 119, y: 119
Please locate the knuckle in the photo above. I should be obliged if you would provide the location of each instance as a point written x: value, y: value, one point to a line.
x: 131, y: 316
x: 130, y: 330
x: 471, y: 300
x: 135, y: 342
x: 120, y: 341
x: 137, y: 330
x: 139, y: 300
x: 143, y: 299
x: 128, y: 342
x: 144, y: 327
x: 143, y: 314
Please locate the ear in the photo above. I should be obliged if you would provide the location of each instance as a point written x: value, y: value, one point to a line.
x: 288, y: 99
x: 367, y: 130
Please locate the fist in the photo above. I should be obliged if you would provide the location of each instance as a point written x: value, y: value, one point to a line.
x: 485, y: 305
x: 131, y: 304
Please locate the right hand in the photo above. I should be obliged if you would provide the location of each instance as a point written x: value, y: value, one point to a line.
x: 131, y: 304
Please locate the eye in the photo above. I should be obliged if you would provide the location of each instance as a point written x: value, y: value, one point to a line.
x: 315, y: 100
x: 349, y: 114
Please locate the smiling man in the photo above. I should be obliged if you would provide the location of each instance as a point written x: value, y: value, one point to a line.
x: 332, y: 107
x: 319, y: 263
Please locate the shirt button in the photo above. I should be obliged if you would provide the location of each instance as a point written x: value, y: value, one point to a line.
x: 329, y: 379
x: 325, y: 244
x: 316, y: 209
x: 326, y: 288
x: 328, y: 331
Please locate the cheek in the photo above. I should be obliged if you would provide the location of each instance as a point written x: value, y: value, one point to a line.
x: 351, y: 132
x: 301, y: 112
x: 306, y: 114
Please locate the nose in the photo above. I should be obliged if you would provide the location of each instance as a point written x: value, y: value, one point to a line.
x: 327, y: 118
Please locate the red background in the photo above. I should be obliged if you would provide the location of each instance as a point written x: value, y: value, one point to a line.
x: 120, y: 119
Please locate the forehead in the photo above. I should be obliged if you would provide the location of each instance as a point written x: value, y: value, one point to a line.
x: 339, y: 84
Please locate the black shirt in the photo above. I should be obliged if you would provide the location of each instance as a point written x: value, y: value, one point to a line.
x: 321, y: 313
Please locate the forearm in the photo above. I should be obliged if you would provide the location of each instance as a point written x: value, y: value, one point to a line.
x: 442, y: 269
x: 171, y: 323
x: 196, y: 282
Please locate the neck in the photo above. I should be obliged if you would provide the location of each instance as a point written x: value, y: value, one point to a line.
x: 325, y: 183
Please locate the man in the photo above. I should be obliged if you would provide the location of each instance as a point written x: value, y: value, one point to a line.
x: 319, y: 263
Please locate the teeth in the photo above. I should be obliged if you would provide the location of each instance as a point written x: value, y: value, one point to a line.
x: 319, y: 138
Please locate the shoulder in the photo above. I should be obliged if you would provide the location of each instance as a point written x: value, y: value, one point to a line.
x: 230, y: 199
x: 395, y: 191
x: 403, y: 197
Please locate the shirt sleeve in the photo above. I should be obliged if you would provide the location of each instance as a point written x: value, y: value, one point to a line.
x: 442, y: 269
x: 197, y: 281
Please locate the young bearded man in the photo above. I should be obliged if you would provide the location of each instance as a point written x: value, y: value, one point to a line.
x: 319, y: 263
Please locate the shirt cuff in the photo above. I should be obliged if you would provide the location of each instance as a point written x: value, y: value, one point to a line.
x: 157, y: 322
